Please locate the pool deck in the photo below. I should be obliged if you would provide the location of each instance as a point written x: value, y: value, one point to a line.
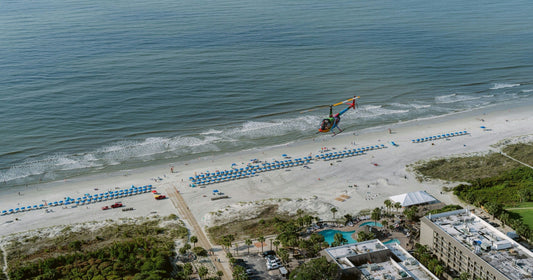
x: 404, y: 240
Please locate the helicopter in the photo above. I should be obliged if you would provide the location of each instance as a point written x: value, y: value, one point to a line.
x: 332, y: 122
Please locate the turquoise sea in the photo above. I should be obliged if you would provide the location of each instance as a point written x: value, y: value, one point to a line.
x: 97, y: 86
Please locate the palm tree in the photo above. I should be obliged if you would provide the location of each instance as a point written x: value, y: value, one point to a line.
x: 397, y: 206
x: 504, y: 217
x: 261, y: 239
x: 202, y: 271
x: 276, y: 243
x: 227, y: 240
x: 376, y: 215
x: 464, y: 276
x: 438, y: 270
x: 348, y: 218
x: 194, y: 239
x: 388, y: 204
x: 299, y: 212
x: 248, y: 242
x: 333, y: 210
x: 385, y: 223
x: 236, y: 248
x: 363, y: 236
x: 338, y: 240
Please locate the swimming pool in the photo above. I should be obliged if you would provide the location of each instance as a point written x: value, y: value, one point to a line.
x: 373, y: 224
x: 392, y: 241
x: 329, y: 233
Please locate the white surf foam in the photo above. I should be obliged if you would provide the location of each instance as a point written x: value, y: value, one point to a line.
x: 503, y: 85
x: 453, y: 98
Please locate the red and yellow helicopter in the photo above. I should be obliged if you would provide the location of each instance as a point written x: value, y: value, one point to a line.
x: 328, y: 124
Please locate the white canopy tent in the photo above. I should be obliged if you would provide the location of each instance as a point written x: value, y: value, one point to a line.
x: 413, y: 198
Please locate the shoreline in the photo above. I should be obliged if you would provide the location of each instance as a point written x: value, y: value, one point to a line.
x: 377, y: 174
x: 152, y: 166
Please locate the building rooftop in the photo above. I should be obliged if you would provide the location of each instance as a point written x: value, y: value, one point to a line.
x: 356, y: 249
x: 491, y: 245
x: 389, y: 261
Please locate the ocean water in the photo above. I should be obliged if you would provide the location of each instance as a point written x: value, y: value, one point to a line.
x: 97, y: 86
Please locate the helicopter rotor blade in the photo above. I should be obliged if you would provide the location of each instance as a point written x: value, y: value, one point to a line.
x: 346, y: 101
x: 326, y: 106
x: 314, y: 108
x: 342, y: 102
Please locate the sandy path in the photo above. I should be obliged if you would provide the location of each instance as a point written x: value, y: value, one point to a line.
x: 4, y: 268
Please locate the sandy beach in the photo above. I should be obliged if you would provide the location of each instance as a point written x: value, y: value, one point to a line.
x: 349, y: 184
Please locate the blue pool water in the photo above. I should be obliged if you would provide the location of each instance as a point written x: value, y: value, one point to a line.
x: 329, y: 233
x: 373, y: 224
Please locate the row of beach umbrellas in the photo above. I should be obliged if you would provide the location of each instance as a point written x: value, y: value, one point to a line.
x: 86, y: 199
x: 348, y: 152
x: 248, y: 171
x: 440, y: 136
x: 251, y: 170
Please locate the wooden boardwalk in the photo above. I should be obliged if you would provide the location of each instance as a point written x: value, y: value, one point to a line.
x: 186, y: 214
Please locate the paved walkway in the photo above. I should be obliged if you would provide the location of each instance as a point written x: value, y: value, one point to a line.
x: 520, y: 208
x: 523, y: 163
x: 186, y: 214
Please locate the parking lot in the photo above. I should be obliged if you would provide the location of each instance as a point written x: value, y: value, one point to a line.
x: 257, y: 264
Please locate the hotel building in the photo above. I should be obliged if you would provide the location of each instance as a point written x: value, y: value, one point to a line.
x: 467, y: 243
x: 374, y: 260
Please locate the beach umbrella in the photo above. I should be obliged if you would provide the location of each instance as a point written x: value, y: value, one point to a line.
x: 11, y: 211
x: 4, y: 212
x: 17, y: 209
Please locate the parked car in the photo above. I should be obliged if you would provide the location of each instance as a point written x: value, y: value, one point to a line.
x: 105, y: 207
x: 283, y: 271
x: 116, y: 205
x: 268, y: 253
x: 271, y: 266
x: 271, y: 257
x: 276, y: 262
